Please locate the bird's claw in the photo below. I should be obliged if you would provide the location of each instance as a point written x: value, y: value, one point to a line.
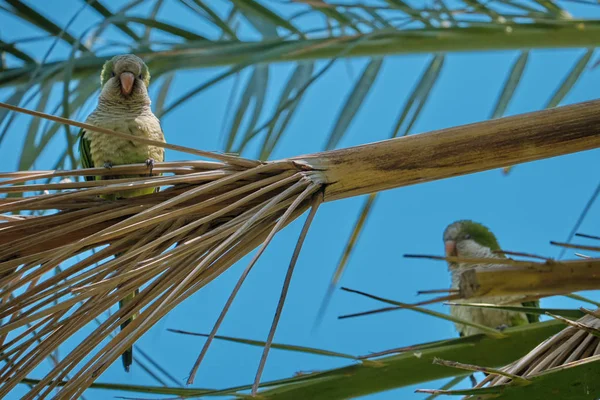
x: 108, y: 165
x: 502, y: 327
x: 150, y: 164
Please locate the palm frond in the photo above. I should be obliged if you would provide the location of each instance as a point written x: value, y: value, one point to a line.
x: 574, y: 352
x: 412, y: 365
x: 205, y: 203
x: 203, y: 217
x: 208, y: 215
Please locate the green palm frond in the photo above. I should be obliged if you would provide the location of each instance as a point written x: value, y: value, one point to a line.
x: 247, y: 40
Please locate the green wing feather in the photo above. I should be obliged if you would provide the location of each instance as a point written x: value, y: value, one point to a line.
x: 532, y: 317
x: 85, y: 154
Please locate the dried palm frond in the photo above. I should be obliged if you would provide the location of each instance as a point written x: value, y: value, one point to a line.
x: 207, y: 216
x: 578, y: 342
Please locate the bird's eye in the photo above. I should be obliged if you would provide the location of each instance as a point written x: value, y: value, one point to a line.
x: 467, y: 236
x: 140, y: 76
x: 112, y: 74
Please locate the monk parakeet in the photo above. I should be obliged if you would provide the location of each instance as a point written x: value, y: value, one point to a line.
x: 123, y: 106
x: 468, y: 239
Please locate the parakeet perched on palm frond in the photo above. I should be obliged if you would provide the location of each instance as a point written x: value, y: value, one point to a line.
x: 468, y: 239
x: 123, y: 106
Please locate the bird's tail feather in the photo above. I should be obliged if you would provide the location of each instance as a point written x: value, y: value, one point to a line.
x: 127, y: 356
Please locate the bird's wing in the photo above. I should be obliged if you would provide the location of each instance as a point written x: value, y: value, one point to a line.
x: 532, y: 317
x: 85, y: 153
x: 156, y: 190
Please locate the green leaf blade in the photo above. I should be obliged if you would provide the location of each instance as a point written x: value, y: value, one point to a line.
x: 510, y: 85
x: 354, y: 101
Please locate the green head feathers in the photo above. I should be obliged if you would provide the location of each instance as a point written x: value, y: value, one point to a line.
x: 469, y: 230
x: 125, y: 63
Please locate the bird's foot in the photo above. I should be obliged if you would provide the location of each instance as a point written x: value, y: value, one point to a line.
x: 502, y: 327
x: 108, y: 165
x: 150, y: 164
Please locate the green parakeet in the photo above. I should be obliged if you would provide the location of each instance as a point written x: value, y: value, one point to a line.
x: 123, y: 106
x: 470, y: 239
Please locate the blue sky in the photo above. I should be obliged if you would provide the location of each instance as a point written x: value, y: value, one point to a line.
x: 537, y: 202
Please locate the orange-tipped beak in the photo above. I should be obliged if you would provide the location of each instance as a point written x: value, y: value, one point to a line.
x: 127, y: 79
x: 450, y: 248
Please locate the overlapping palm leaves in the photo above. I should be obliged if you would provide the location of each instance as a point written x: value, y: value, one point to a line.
x: 372, y: 30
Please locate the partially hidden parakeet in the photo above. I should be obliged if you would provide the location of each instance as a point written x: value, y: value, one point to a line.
x: 468, y: 239
x: 123, y: 106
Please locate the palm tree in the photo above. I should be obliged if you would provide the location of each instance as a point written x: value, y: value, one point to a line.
x: 241, y: 43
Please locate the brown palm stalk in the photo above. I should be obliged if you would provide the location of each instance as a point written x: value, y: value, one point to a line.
x: 521, y: 278
x: 206, y: 217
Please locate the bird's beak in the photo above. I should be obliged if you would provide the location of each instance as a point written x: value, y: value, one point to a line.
x: 127, y: 79
x: 450, y: 248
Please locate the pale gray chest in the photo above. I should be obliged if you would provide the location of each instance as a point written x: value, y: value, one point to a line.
x: 110, y: 149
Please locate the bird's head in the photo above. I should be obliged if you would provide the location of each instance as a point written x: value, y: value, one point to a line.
x: 469, y: 239
x: 125, y: 77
